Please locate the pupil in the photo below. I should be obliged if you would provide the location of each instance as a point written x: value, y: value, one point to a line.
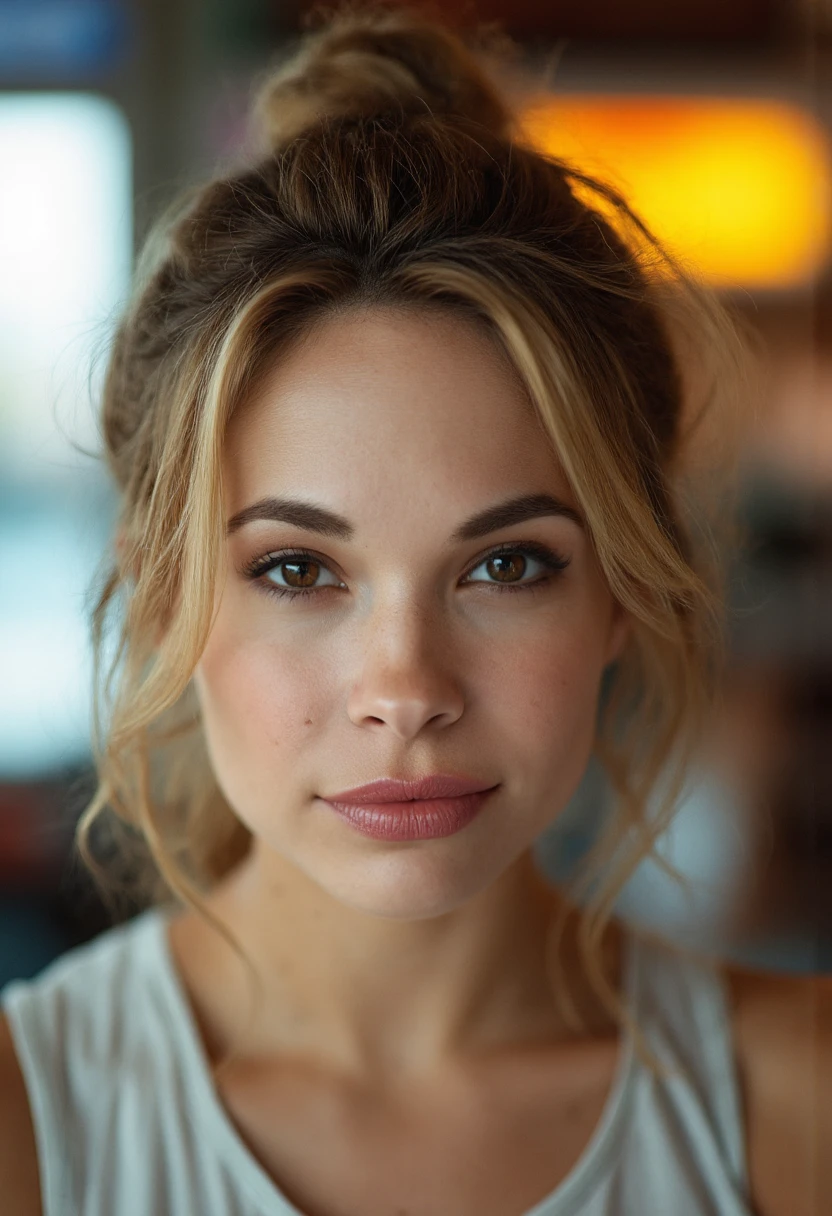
x: 307, y: 579
x: 505, y: 561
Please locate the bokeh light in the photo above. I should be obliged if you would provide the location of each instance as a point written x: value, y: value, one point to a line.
x: 739, y: 189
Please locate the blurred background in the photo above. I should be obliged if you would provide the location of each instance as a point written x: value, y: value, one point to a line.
x: 715, y: 116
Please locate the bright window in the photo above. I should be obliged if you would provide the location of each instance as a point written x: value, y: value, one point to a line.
x: 65, y: 254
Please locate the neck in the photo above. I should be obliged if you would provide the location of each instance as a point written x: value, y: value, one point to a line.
x: 373, y: 996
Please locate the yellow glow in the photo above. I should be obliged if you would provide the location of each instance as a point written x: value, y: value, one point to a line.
x: 739, y: 189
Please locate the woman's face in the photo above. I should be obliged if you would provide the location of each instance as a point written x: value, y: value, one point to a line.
x: 415, y: 651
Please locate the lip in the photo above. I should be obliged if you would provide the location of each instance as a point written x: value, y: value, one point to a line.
x: 391, y: 789
x: 412, y: 819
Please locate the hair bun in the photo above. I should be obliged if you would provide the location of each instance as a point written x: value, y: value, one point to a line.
x: 376, y: 61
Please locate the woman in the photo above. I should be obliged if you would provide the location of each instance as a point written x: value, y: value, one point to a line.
x: 397, y: 418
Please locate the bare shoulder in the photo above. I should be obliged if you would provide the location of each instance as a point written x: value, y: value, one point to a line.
x: 19, y: 1182
x: 782, y: 1027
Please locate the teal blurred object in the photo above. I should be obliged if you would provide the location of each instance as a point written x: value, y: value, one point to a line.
x: 29, y: 937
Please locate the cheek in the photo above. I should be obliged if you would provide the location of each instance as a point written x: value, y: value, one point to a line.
x: 545, y: 692
x: 259, y: 707
x: 548, y: 688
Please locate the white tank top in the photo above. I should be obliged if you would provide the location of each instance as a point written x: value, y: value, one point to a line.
x: 128, y: 1123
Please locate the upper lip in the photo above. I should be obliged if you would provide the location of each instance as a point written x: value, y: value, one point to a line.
x: 390, y: 789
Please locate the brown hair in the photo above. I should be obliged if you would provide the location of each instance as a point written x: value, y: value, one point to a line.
x: 394, y: 172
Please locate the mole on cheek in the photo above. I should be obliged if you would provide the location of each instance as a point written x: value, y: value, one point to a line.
x: 307, y: 722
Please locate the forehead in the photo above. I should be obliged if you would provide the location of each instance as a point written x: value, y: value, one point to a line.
x: 386, y: 399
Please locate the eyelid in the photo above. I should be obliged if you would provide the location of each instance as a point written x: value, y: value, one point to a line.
x: 552, y: 561
x: 266, y: 562
x: 549, y: 557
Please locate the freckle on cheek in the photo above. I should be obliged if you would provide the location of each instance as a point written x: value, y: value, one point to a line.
x: 307, y: 722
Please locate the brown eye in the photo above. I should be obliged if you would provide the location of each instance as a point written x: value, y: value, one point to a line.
x: 295, y: 574
x: 290, y: 573
x: 299, y: 572
x: 506, y: 567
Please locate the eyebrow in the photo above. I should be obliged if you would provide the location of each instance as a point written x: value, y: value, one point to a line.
x: 314, y: 518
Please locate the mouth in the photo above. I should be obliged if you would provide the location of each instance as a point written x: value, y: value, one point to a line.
x: 407, y: 818
x: 435, y: 786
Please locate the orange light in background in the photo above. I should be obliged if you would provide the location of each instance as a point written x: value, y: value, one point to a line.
x: 739, y: 189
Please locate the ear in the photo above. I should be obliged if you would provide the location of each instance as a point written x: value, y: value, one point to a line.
x: 620, y: 632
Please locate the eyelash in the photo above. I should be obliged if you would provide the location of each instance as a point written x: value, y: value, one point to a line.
x: 259, y: 567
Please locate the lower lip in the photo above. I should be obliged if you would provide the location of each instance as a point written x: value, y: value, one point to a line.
x: 422, y: 819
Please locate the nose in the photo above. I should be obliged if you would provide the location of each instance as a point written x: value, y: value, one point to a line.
x: 406, y: 681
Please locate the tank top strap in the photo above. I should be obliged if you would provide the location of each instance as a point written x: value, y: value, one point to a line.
x: 684, y: 1009
x: 37, y: 1030
x: 66, y: 1025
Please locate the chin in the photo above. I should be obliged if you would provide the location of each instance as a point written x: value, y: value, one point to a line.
x: 419, y: 882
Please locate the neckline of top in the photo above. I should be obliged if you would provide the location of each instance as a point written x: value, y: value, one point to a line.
x: 562, y: 1201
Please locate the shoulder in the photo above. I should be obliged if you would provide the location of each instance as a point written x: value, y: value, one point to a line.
x: 19, y: 1182
x: 72, y: 1010
x: 68, y: 1038
x: 782, y: 1029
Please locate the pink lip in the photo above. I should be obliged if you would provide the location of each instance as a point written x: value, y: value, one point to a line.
x: 388, y: 789
x: 415, y: 819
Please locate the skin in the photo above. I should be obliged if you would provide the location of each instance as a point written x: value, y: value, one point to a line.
x: 388, y: 958
x: 406, y: 1015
